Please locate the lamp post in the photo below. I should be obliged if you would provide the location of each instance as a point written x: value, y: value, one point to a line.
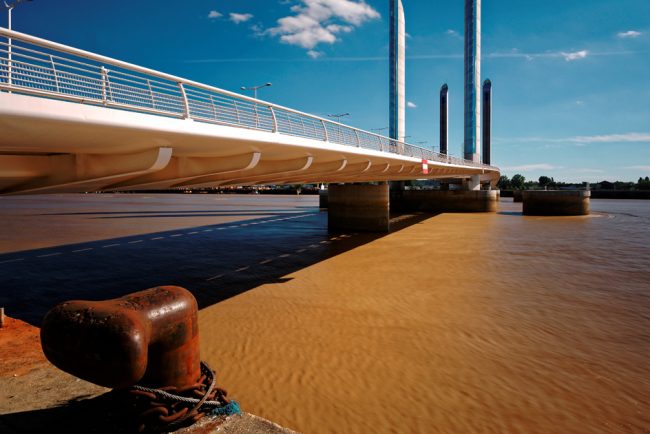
x: 378, y: 130
x: 10, y: 7
x: 338, y: 116
x: 256, y: 88
x: 338, y: 120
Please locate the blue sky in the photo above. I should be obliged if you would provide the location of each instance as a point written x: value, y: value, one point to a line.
x: 570, y: 78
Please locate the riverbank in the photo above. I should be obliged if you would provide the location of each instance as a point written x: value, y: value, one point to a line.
x: 36, y: 396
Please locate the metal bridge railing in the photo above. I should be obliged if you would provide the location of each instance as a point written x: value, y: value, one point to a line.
x: 43, y: 68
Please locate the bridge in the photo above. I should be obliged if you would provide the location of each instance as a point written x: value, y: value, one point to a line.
x: 75, y: 121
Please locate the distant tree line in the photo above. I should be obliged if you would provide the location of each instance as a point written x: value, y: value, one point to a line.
x: 518, y: 182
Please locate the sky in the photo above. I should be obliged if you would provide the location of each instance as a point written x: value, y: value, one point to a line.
x: 570, y: 78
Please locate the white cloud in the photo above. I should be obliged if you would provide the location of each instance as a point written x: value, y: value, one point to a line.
x: 629, y: 34
x: 259, y: 31
x: 532, y: 167
x: 240, y: 18
x: 453, y: 33
x: 569, y: 57
x: 214, y: 14
x: 643, y: 138
x: 314, y: 54
x: 610, y: 138
x: 411, y: 105
x: 320, y: 21
x: 644, y: 168
x: 580, y: 102
x: 336, y: 28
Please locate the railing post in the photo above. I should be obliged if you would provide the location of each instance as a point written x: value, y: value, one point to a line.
x: 356, y: 133
x: 327, y: 137
x: 275, y: 120
x: 257, y: 116
x: 302, y: 123
x: 236, y: 111
x: 214, y: 108
x: 186, y: 103
x: 104, y: 74
x: 153, y: 101
x: 56, y: 78
x: 9, y: 56
x: 289, y: 124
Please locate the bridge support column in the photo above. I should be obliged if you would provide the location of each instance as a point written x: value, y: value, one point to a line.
x: 555, y: 202
x: 474, y: 183
x: 323, y: 196
x: 359, y: 207
x: 448, y: 201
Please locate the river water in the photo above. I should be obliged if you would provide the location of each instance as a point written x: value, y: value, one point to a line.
x: 459, y: 323
x: 456, y: 323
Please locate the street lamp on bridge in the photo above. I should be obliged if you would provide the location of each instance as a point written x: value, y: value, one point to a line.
x: 256, y: 88
x: 338, y: 120
x: 338, y: 116
x: 10, y: 7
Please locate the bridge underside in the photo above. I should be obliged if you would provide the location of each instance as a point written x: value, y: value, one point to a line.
x: 51, y: 146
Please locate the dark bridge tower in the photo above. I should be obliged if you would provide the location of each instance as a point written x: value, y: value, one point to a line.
x: 397, y: 71
x: 444, y: 118
x: 472, y: 79
x: 397, y: 43
x: 487, y: 121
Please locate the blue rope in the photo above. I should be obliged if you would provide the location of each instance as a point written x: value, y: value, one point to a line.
x: 227, y: 410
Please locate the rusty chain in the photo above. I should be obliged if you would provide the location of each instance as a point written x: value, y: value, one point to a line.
x: 169, y: 408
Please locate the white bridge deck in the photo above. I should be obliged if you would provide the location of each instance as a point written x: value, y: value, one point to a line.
x: 74, y: 121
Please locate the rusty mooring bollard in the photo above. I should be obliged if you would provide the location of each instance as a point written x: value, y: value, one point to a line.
x: 150, y: 338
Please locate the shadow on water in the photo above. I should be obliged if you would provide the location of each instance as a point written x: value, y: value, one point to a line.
x: 214, y: 262
x: 254, y: 211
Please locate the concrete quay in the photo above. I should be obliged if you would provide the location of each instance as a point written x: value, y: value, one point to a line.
x: 74, y: 405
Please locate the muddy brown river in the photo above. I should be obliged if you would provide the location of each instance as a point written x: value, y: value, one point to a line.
x: 461, y: 323
x: 456, y: 323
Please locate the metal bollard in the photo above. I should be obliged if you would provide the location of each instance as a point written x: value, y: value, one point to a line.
x: 150, y: 338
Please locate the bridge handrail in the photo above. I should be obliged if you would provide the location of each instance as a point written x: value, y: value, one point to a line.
x: 24, y: 69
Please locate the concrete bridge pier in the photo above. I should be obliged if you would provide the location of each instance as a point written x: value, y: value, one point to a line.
x: 366, y: 207
x: 438, y: 201
x: 359, y: 207
x: 473, y: 183
x: 556, y: 203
